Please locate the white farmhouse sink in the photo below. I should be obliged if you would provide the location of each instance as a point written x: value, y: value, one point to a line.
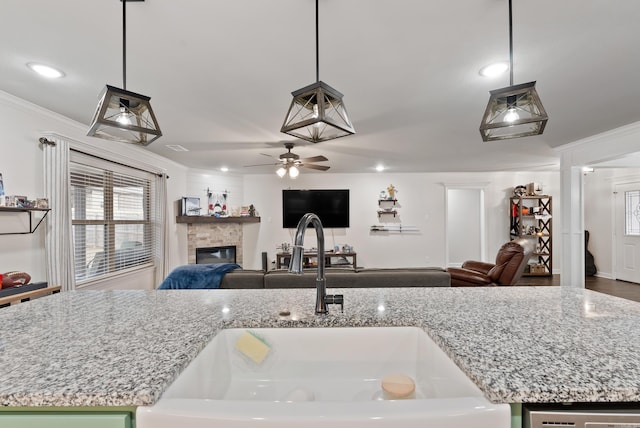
x: 315, y: 376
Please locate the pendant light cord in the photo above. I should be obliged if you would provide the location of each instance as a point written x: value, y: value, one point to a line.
x: 510, y: 45
x: 124, y: 44
x: 318, y: 46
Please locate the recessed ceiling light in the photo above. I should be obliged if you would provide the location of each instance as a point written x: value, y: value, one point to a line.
x: 224, y: 169
x: 380, y: 168
x: 45, y: 70
x: 495, y: 69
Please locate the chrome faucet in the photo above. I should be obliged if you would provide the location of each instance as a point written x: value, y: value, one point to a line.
x: 297, y: 256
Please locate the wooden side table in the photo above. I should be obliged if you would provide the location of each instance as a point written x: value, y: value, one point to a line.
x: 28, y: 295
x: 282, y: 259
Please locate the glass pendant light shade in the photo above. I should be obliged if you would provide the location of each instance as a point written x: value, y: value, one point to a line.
x: 317, y: 114
x: 124, y: 116
x: 281, y: 172
x: 293, y: 171
x: 513, y: 112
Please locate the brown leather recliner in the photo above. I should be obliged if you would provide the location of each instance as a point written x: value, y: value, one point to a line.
x: 507, y: 270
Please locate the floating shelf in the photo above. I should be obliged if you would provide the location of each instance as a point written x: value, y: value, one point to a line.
x: 381, y: 201
x: 212, y: 219
x: 30, y: 211
x: 393, y: 228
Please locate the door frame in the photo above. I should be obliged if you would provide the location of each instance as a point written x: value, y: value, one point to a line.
x: 482, y: 211
x: 620, y: 181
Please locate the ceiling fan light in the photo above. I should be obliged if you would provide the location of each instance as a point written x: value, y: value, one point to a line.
x: 293, y: 171
x: 281, y: 172
x: 513, y: 112
x: 115, y: 108
x: 317, y: 113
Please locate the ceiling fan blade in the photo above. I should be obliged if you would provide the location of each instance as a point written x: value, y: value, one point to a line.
x: 312, y: 166
x: 267, y: 155
x: 314, y: 159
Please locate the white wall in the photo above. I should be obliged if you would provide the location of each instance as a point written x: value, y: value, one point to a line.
x: 422, y: 204
x: 21, y: 164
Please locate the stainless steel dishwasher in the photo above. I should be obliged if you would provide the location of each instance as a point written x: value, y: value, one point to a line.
x: 582, y: 415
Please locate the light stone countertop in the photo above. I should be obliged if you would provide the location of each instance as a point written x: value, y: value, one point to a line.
x: 123, y: 348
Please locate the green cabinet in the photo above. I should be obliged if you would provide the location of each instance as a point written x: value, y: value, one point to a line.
x: 66, y: 419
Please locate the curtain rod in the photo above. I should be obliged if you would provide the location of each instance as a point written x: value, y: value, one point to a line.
x: 47, y: 142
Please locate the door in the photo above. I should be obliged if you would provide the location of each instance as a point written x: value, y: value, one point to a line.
x: 465, y: 225
x: 627, y: 230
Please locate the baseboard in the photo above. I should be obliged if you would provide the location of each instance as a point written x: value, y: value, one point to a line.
x: 604, y: 275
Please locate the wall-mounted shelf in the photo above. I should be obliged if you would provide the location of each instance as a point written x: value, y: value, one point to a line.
x: 393, y: 228
x: 191, y: 219
x: 384, y: 201
x: 392, y: 212
x: 29, y: 211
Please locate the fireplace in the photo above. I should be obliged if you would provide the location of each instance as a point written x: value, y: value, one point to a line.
x: 221, y: 254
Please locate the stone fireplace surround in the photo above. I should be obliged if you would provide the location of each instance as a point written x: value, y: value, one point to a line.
x: 213, y: 235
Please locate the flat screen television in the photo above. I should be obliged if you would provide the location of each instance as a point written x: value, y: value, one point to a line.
x: 332, y: 206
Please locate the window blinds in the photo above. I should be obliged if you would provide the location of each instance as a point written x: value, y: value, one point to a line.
x: 111, y: 217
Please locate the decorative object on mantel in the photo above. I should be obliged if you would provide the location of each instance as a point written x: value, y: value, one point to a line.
x: 317, y: 112
x: 217, y: 203
x: 515, y: 111
x: 123, y: 115
x: 190, y: 206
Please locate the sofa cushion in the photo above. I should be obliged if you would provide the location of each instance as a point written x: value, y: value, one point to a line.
x: 407, y: 277
x: 243, y: 279
x: 336, y: 277
x: 363, y: 278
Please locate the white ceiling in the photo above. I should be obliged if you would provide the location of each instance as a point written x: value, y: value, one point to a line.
x: 220, y: 73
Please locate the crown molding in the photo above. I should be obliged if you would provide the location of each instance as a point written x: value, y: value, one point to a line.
x: 605, y: 146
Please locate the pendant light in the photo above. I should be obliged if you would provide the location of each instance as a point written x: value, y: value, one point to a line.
x: 123, y: 115
x: 317, y: 112
x: 515, y: 111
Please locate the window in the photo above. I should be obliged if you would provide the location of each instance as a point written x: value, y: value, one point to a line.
x: 632, y: 213
x: 111, y: 217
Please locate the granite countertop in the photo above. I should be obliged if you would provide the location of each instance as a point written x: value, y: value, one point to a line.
x: 123, y: 348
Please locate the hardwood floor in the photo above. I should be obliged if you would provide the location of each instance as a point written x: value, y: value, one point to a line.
x: 626, y: 290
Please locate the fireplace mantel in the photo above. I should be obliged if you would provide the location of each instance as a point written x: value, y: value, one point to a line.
x: 211, y: 219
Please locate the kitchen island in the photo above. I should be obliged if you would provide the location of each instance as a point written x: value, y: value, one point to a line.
x: 121, y: 349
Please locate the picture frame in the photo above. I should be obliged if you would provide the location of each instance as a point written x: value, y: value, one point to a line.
x: 22, y: 202
x: 190, y: 206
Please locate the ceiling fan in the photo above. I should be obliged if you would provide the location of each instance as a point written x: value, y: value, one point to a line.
x: 290, y: 162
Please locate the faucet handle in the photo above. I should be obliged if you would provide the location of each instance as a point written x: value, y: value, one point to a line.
x: 335, y: 299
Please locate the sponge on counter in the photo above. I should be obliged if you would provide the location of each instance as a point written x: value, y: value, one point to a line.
x: 253, y: 347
